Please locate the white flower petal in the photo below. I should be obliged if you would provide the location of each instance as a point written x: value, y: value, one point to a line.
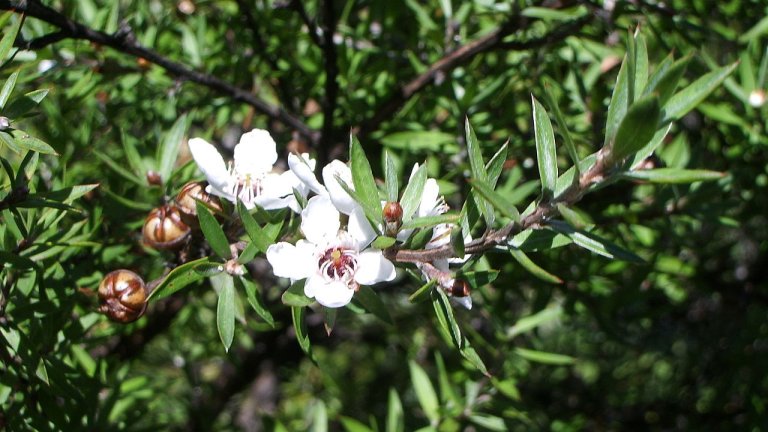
x: 210, y: 163
x: 289, y: 261
x: 464, y: 301
x: 372, y: 268
x: 320, y: 220
x: 360, y: 229
x: 304, y: 171
x: 339, y: 196
x: 429, y: 199
x: 332, y: 294
x: 256, y: 153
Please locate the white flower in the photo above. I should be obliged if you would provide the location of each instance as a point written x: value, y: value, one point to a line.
x: 334, y: 262
x: 757, y: 98
x: 332, y: 189
x: 249, y: 177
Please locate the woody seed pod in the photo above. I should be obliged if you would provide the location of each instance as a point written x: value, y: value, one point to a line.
x: 187, y: 205
x: 164, y: 229
x: 123, y: 296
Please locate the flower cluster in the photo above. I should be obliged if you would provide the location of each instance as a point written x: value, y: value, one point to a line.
x: 335, y: 256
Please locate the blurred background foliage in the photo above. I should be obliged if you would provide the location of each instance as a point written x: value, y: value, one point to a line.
x: 676, y: 342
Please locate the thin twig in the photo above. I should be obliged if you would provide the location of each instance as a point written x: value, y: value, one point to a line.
x: 298, y: 6
x: 124, y: 41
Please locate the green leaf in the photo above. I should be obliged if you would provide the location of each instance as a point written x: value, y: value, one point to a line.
x: 168, y: 151
x: 530, y: 322
x: 395, y: 421
x: 6, y: 43
x: 352, y: 425
x: 225, y: 312
x: 373, y: 304
x: 664, y: 82
x: 7, y: 89
x: 618, y: 105
x: 413, y: 191
x: 133, y: 156
x: 496, y: 165
x: 254, y: 299
x: 641, y: 62
x: 365, y: 184
x: 533, y: 268
x: 479, y: 278
x: 594, y: 243
x: 430, y: 221
x: 488, y: 422
x: 179, y: 278
x: 637, y: 128
x: 673, y: 175
x: 9, y: 142
x: 119, y: 169
x: 294, y: 295
x: 445, y: 318
x: 300, y: 326
x: 478, y: 170
x: 255, y: 232
x: 213, y: 232
x: 383, y: 242
x: 421, y: 293
x: 687, y: 98
x: 546, y: 151
x: 498, y: 201
x: 26, y: 141
x: 545, y: 357
x: 562, y: 126
x: 390, y: 177
x: 20, y: 106
x: 419, y: 141
x: 425, y: 392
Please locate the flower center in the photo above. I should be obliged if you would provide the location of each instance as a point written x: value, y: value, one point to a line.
x: 246, y: 186
x: 338, y: 263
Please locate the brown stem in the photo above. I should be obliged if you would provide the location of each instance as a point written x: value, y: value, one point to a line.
x: 125, y: 41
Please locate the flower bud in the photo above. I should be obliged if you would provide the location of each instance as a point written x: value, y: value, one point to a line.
x: 187, y: 205
x: 164, y: 229
x: 393, y: 217
x: 460, y: 288
x: 154, y: 178
x: 123, y: 296
x: 5, y: 123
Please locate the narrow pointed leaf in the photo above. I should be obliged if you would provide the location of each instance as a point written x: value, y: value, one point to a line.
x: 496, y: 165
x: 637, y: 128
x: 665, y: 81
x: 6, y: 43
x: 383, y: 242
x: 27, y: 141
x: 533, y: 268
x: 618, y: 105
x: 395, y: 422
x: 7, y: 89
x: 390, y: 177
x: 425, y: 392
x: 445, y: 318
x: 252, y: 228
x: 413, y: 191
x: 594, y: 243
x: 477, y: 165
x: 254, y: 299
x: 169, y: 148
x: 294, y: 295
x: 687, y: 98
x: 422, y: 293
x: 546, y: 153
x: 641, y: 62
x: 530, y: 322
x: 300, y: 326
x: 213, y: 232
x: 373, y: 304
x: 673, y: 175
x: 498, y: 201
x: 545, y: 357
x: 179, y: 278
x: 365, y: 184
x: 562, y: 126
x: 430, y: 221
x: 225, y: 312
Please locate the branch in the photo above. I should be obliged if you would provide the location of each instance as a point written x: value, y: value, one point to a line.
x: 124, y: 41
x: 462, y: 55
x: 543, y: 211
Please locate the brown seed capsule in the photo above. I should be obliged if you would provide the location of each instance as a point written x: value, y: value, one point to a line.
x: 393, y: 217
x: 164, y: 229
x: 123, y: 296
x: 187, y: 198
x: 460, y: 288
